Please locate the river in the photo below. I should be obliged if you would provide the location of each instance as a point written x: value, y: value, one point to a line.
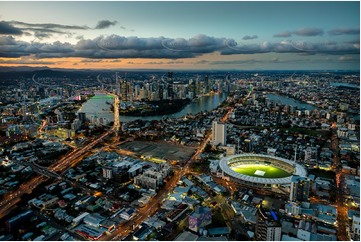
x: 97, y: 106
x: 343, y: 84
x: 290, y: 101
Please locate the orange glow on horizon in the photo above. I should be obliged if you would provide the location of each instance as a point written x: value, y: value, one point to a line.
x: 87, y: 63
x: 205, y: 61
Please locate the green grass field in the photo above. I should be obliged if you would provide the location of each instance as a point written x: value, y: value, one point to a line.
x: 270, y: 171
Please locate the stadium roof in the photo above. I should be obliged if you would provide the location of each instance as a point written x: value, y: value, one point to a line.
x: 299, y: 170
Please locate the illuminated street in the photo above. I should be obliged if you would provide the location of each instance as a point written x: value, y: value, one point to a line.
x: 180, y: 121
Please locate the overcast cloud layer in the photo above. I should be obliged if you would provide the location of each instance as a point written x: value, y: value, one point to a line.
x: 116, y: 46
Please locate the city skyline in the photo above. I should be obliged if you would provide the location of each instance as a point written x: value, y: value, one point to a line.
x: 181, y: 35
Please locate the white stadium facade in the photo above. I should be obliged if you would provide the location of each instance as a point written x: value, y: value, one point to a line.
x: 289, y: 166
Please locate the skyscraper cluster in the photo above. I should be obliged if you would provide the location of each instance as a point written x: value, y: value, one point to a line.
x: 168, y: 88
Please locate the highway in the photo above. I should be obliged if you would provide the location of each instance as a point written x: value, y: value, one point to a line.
x: 9, y: 201
x: 76, y: 155
x: 61, y: 165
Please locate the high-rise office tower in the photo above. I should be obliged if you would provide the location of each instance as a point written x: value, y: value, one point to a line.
x: 118, y: 83
x: 82, y: 117
x: 207, y: 85
x: 137, y: 91
x: 160, y: 90
x: 124, y: 90
x: 170, y: 91
x: 130, y: 88
x: 170, y: 76
x: 219, y: 133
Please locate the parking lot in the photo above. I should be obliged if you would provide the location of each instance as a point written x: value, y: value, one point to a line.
x: 160, y: 150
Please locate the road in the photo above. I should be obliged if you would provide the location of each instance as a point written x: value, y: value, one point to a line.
x: 59, y: 166
x: 342, y: 216
x: 14, y: 197
x: 66, y: 162
x: 154, y: 204
x: 76, y: 155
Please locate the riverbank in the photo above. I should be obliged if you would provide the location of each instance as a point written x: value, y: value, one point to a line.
x: 99, y: 107
x: 152, y: 108
x: 289, y: 100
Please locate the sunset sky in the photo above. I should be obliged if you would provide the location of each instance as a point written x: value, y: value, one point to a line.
x: 181, y: 35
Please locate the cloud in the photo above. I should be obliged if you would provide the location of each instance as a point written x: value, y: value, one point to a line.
x: 7, y: 41
x: 246, y: 62
x: 290, y: 46
x: 306, y: 32
x: 256, y: 61
x: 45, y: 30
x: 91, y: 60
x: 349, y: 59
x: 133, y: 63
x: 115, y: 60
x: 115, y: 46
x: 344, y: 31
x: 28, y: 60
x: 50, y: 26
x: 175, y: 62
x: 249, y: 37
x: 99, y: 60
x: 154, y: 63
x: 125, y: 28
x: 6, y: 28
x: 202, y: 62
x: 27, y: 34
x: 283, y: 34
x: 40, y: 31
x: 103, y: 24
x: 41, y: 35
x: 234, y: 62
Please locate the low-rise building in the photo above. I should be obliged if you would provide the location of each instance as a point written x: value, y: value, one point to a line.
x: 186, y: 236
x: 201, y: 217
x: 89, y: 232
x: 94, y: 219
x: 128, y: 213
x: 355, y: 228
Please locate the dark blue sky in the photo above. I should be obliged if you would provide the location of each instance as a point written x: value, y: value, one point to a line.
x: 182, y: 35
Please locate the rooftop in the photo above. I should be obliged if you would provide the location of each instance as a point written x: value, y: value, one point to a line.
x: 186, y: 236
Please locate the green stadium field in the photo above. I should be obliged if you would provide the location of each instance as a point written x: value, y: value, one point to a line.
x: 269, y: 171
